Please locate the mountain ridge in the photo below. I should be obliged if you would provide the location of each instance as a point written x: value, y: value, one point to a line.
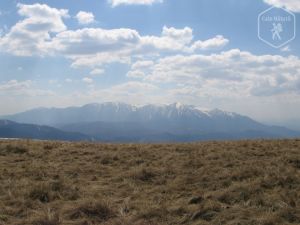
x: 21, y: 117
x: 115, y: 121
x: 11, y: 129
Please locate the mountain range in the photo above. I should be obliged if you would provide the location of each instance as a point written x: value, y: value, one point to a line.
x: 120, y: 122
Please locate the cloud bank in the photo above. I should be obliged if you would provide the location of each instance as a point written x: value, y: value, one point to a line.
x: 292, y: 5
x: 115, y: 3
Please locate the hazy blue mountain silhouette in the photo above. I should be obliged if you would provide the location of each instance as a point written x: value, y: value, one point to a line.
x: 10, y: 129
x: 120, y: 122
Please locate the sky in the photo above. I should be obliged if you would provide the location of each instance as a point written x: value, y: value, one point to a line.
x: 205, y: 53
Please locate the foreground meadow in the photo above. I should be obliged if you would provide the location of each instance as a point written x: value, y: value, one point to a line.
x: 60, y: 183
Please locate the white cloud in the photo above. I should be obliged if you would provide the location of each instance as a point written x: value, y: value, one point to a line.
x: 184, y: 36
x: 90, y: 41
x: 68, y: 80
x: 217, y: 42
x: 15, y: 85
x: 87, y: 80
x: 171, y: 40
x: 133, y: 87
x: 133, y: 91
x: 232, y: 72
x: 97, y: 71
x: 31, y: 36
x: 22, y: 88
x: 95, y: 47
x: 292, y: 5
x: 85, y: 17
x: 95, y: 60
x: 286, y: 49
x: 142, y: 65
x: 115, y: 3
x: 43, y: 33
x: 139, y: 68
x: 135, y: 74
x: 179, y: 40
x: 52, y: 82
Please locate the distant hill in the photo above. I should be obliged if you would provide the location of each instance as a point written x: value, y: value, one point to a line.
x: 9, y: 129
x: 120, y: 122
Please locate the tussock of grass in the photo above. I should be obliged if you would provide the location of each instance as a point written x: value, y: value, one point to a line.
x: 3, y: 218
x: 46, y: 192
x: 47, y: 217
x: 12, y: 149
x: 97, y: 211
x: 46, y: 222
x: 230, y: 183
x: 144, y: 174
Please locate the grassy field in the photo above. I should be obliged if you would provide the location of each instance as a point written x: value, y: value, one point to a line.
x: 245, y: 182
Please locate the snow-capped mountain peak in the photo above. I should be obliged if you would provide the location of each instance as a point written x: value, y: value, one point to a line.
x: 121, y: 121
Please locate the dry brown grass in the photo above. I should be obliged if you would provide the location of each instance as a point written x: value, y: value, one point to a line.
x: 59, y: 183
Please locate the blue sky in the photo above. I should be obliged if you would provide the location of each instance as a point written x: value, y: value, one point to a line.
x: 203, y: 52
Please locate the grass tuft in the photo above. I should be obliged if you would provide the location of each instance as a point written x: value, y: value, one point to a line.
x: 93, y: 210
